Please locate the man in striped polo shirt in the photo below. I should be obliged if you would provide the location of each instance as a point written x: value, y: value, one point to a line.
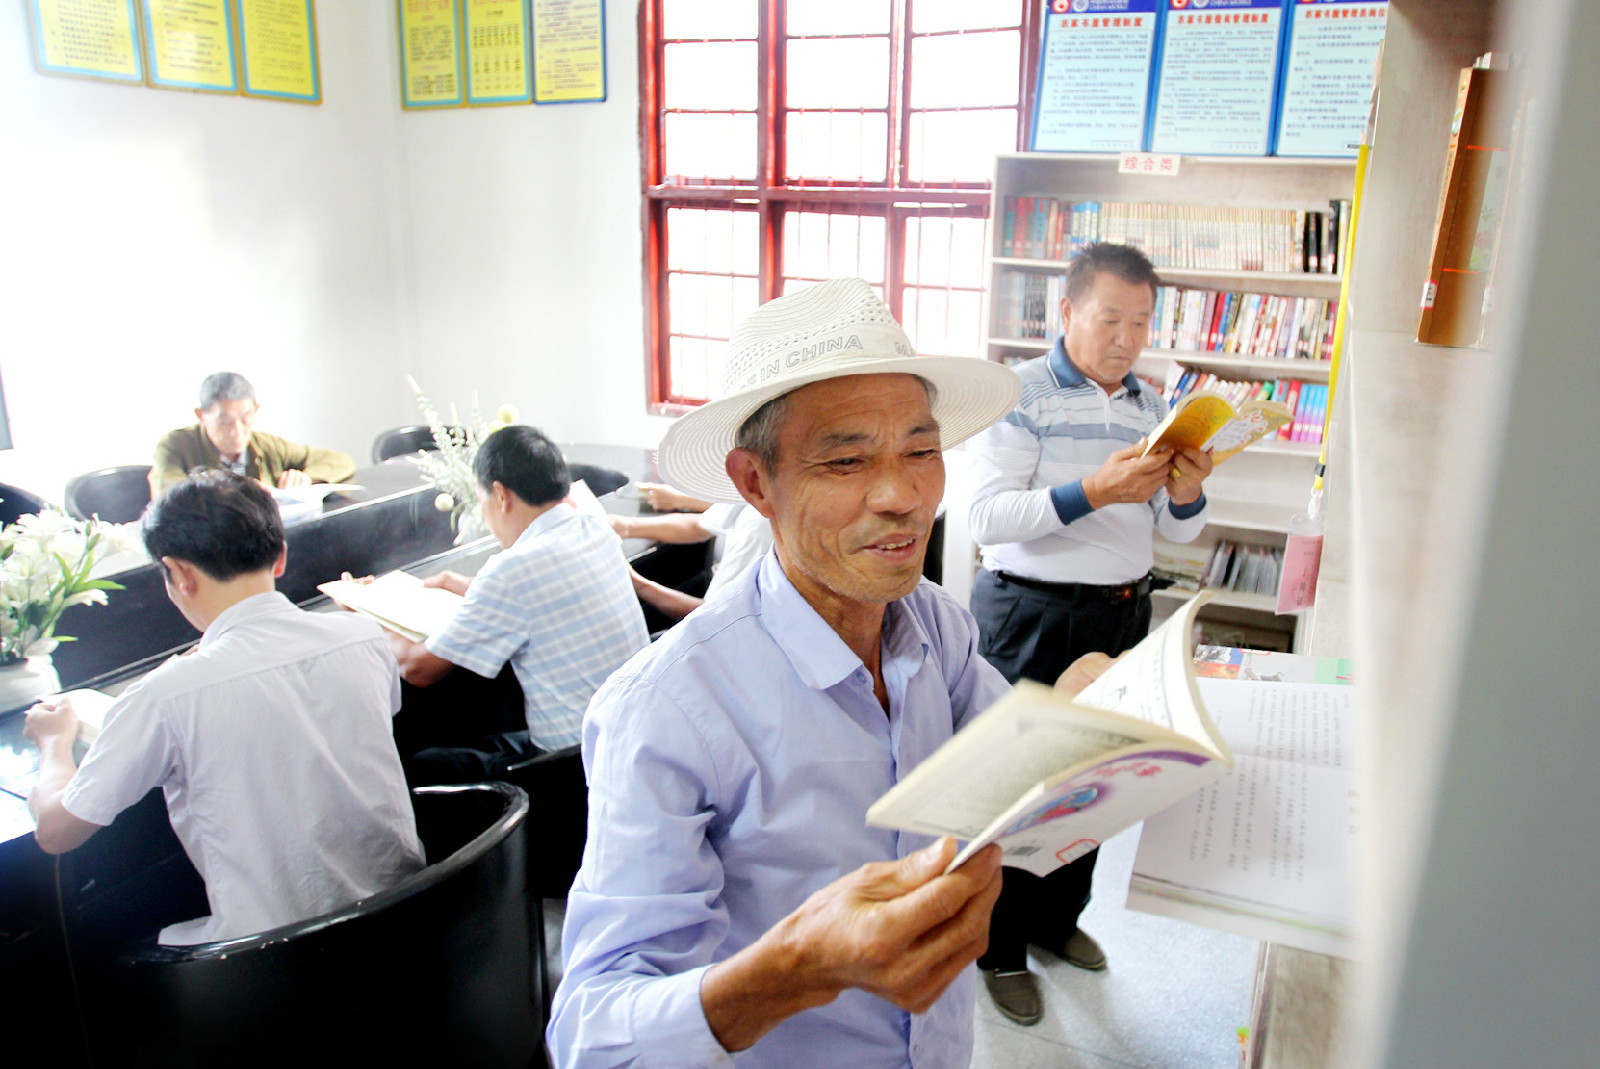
x: 1064, y: 506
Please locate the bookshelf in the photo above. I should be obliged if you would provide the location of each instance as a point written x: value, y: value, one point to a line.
x: 1254, y: 495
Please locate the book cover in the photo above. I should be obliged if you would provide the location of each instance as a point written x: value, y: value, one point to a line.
x: 1452, y: 298
x: 1209, y: 421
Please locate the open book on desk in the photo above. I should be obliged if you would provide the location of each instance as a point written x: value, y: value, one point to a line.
x: 1050, y: 779
x: 399, y: 602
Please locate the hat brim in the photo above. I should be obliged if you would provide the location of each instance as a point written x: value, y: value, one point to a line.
x: 970, y: 394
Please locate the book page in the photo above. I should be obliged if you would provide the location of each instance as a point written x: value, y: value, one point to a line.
x: 1024, y: 738
x: 1154, y: 682
x: 399, y: 602
x: 1263, y: 851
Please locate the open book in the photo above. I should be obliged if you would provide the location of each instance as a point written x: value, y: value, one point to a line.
x: 399, y: 602
x: 1050, y: 779
x: 1265, y: 851
x: 1208, y: 421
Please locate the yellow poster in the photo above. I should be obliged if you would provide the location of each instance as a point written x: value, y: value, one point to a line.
x: 90, y: 38
x: 278, y: 45
x: 430, y: 54
x: 190, y: 44
x: 569, y: 51
x: 497, y: 52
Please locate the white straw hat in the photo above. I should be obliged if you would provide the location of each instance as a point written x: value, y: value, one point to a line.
x: 830, y: 330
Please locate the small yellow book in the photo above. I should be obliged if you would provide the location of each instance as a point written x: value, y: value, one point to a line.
x: 1209, y: 421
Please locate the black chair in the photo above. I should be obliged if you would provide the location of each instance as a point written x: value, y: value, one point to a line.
x: 558, y: 792
x: 398, y: 441
x: 599, y: 480
x: 115, y: 495
x: 445, y: 967
x: 15, y: 503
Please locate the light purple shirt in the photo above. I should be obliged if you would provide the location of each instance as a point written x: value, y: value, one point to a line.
x: 730, y: 770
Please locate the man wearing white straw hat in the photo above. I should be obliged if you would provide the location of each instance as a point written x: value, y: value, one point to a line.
x: 732, y: 898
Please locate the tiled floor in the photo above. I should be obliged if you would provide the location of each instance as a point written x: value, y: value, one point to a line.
x: 1172, y: 997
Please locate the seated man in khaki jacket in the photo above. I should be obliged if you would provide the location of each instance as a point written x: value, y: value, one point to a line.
x: 225, y: 438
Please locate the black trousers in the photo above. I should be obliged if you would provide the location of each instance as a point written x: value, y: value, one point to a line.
x: 462, y: 729
x: 1035, y: 634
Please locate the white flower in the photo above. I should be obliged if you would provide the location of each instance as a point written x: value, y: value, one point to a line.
x: 86, y: 597
x: 444, y: 503
x: 506, y: 414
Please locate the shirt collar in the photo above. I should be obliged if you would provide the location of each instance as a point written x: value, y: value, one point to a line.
x: 819, y: 656
x: 550, y: 517
x: 1067, y: 374
x: 251, y: 608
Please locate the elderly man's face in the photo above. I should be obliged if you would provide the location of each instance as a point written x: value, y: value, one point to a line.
x: 854, y: 490
x: 228, y: 424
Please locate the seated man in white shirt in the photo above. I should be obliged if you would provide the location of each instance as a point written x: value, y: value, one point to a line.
x: 271, y: 738
x: 557, y: 604
x: 744, y: 536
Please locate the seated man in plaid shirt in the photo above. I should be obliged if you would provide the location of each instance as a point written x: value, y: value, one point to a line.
x: 557, y: 604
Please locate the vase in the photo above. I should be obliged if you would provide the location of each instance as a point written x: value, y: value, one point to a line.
x: 25, y: 681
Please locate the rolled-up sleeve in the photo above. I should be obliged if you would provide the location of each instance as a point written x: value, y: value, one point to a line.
x: 645, y: 915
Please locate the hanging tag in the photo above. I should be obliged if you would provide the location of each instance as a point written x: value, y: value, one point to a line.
x: 1302, y: 559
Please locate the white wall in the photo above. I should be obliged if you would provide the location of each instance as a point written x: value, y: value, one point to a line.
x: 152, y: 237
x: 527, y: 248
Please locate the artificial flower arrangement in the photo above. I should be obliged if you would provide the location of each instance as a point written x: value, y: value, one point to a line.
x: 449, y: 468
x: 46, y: 563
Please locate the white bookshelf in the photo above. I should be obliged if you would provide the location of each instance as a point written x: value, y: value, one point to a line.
x: 1254, y: 495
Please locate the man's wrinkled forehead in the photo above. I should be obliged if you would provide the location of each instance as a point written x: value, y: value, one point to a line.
x: 818, y: 401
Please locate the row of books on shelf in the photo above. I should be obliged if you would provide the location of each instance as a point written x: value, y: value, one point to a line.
x: 1178, y: 236
x: 1307, y: 401
x: 1227, y: 565
x: 1026, y: 305
x: 1246, y: 324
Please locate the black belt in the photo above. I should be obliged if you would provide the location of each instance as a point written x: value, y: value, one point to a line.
x: 1139, y: 588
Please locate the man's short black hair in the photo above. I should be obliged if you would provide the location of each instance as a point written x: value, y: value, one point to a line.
x: 224, y: 524
x: 1123, y: 261
x: 524, y: 461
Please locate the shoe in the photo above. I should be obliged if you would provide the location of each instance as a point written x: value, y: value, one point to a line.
x: 1081, y: 950
x: 1015, y: 994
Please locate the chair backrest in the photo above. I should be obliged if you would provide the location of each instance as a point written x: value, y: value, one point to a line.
x: 559, y: 793
x: 398, y: 441
x: 116, y: 495
x: 599, y: 480
x: 444, y: 967
x: 15, y: 503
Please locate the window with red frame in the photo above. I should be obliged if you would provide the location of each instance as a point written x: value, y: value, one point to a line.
x: 791, y: 141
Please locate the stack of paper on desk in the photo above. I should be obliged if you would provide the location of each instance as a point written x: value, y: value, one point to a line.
x: 1263, y: 851
x: 399, y: 602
